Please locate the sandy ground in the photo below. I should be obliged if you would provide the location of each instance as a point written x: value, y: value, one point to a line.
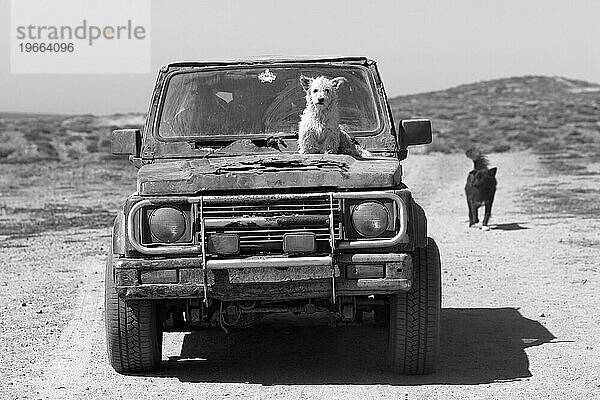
x: 520, y: 303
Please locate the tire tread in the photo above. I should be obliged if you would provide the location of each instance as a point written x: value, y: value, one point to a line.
x: 413, y: 340
x: 134, y: 340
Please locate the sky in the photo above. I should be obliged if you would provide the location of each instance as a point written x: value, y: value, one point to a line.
x: 419, y: 45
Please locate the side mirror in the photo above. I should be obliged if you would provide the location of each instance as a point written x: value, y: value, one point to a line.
x: 126, y: 142
x: 414, y: 131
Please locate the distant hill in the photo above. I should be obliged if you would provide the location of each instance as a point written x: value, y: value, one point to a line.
x: 22, y: 115
x: 28, y: 137
x: 529, y: 112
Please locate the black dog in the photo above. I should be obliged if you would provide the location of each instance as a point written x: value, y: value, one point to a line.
x: 480, y: 187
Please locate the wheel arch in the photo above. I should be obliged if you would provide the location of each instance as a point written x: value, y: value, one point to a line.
x: 419, y: 225
x: 118, y: 234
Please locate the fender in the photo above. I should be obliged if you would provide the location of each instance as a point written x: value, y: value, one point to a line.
x: 419, y: 226
x: 118, y: 234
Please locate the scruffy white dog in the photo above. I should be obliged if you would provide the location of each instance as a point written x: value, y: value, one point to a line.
x: 319, y: 131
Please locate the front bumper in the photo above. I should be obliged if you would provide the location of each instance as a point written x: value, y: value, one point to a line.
x: 262, y: 278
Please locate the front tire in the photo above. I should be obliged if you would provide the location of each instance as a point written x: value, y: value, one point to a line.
x: 382, y: 315
x: 414, y: 329
x: 133, y: 336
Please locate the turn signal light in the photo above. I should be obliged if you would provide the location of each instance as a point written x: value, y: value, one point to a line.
x: 223, y: 243
x: 299, y: 243
x: 159, y: 276
x: 365, y: 271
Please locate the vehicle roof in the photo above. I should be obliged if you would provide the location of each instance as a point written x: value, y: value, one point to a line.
x: 272, y: 60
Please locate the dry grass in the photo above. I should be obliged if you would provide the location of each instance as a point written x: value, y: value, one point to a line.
x: 531, y: 112
x: 31, y: 138
x: 566, y: 186
x: 53, y: 196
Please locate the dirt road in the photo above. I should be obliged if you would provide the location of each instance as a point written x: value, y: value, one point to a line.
x: 520, y: 308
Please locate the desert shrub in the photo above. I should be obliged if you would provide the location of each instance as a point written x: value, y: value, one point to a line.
x: 15, y: 148
x: 437, y: 147
x: 92, y: 147
x: 6, y: 151
x: 548, y: 144
x: 104, y: 146
x: 500, y: 148
x: 73, y: 154
x: 39, y: 131
x: 31, y: 135
x: 528, y: 138
x: 85, y: 129
x: 107, y: 156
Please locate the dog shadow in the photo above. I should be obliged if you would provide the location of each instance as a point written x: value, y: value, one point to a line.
x: 513, y: 226
x: 478, y: 345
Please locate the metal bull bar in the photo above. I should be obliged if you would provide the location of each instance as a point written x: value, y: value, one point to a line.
x: 203, y: 245
x: 332, y: 246
x: 198, y: 245
x: 302, y: 261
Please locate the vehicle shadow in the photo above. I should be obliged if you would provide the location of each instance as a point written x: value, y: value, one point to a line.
x: 479, y: 345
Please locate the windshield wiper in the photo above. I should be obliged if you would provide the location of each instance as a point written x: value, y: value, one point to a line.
x: 273, y: 142
x: 224, y: 144
x: 233, y: 138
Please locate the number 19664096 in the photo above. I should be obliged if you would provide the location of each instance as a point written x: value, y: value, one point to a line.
x: 46, y: 47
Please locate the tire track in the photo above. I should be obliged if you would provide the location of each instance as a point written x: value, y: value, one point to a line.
x: 62, y: 376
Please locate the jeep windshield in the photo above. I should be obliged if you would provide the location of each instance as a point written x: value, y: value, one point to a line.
x: 251, y: 102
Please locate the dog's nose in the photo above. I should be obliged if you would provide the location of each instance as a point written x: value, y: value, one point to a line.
x: 320, y: 99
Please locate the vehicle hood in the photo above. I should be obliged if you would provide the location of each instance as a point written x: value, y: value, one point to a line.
x: 273, y: 171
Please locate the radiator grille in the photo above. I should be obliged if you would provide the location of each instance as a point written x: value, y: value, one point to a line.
x: 269, y: 240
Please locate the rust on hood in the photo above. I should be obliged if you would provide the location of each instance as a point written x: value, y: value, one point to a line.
x: 268, y: 171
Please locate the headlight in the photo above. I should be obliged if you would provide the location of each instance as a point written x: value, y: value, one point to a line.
x: 167, y: 224
x: 370, y: 219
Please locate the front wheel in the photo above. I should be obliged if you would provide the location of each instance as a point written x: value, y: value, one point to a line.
x: 133, y: 336
x: 414, y: 328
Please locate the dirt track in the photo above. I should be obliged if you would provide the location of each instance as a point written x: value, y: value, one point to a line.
x: 520, y: 310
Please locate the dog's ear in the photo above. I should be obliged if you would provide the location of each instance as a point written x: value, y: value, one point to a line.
x: 305, y: 82
x: 337, y: 82
x: 492, y: 171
